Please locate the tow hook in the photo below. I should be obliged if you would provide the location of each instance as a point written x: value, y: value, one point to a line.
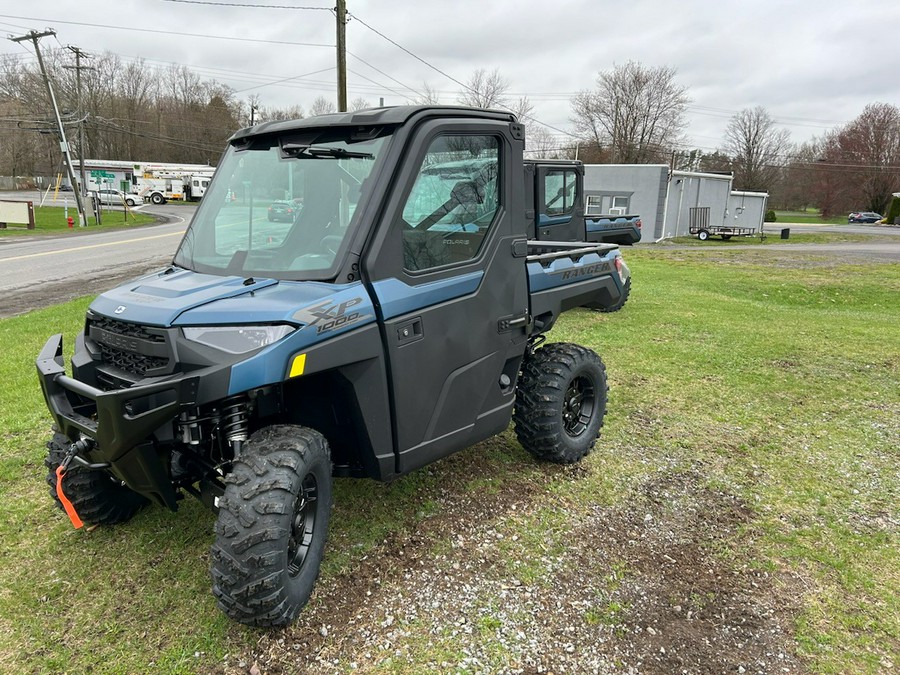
x: 83, y: 445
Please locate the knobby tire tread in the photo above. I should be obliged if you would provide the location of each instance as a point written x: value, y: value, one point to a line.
x: 544, y: 379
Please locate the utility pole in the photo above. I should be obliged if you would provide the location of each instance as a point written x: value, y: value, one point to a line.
x: 34, y: 36
x: 253, y: 109
x: 340, y: 12
x: 81, y: 151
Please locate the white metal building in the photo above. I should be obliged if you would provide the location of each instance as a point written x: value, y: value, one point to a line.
x: 670, y: 201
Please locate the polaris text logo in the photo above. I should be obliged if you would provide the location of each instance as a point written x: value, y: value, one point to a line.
x: 115, y: 340
x: 588, y: 271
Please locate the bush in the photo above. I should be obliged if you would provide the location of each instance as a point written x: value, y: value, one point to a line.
x: 770, y: 216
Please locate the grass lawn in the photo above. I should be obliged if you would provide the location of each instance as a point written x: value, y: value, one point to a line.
x: 774, y: 388
x: 775, y: 238
x: 48, y: 219
x: 810, y: 216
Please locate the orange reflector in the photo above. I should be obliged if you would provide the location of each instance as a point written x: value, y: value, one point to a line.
x: 67, y: 505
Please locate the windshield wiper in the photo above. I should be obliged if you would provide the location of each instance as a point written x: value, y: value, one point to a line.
x: 322, y: 152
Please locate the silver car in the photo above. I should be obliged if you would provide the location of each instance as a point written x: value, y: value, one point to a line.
x: 117, y: 197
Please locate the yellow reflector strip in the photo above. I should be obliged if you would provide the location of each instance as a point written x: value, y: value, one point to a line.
x: 298, y: 365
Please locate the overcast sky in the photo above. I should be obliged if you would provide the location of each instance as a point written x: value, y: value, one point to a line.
x: 813, y: 63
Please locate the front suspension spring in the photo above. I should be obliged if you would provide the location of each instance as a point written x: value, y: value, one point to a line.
x: 236, y: 419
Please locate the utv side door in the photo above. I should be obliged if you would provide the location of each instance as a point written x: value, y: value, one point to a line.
x: 559, y: 211
x: 449, y: 284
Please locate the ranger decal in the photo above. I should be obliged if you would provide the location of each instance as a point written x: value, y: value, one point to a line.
x: 586, y: 271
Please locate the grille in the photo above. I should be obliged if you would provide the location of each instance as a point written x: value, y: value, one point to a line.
x: 136, y: 352
x: 136, y: 364
x: 129, y: 329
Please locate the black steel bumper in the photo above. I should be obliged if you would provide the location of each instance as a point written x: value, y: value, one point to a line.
x: 121, y: 422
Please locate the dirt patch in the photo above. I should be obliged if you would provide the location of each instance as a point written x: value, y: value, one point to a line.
x: 658, y: 585
x: 23, y: 300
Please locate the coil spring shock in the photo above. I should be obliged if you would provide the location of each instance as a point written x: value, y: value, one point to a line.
x: 236, y: 420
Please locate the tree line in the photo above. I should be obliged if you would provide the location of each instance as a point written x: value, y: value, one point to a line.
x: 632, y: 114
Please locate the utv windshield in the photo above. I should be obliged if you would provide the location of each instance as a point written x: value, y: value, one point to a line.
x: 281, y: 207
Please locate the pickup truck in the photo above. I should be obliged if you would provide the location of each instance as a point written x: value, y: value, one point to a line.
x: 397, y: 319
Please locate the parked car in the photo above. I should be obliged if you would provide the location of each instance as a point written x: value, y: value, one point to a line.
x: 864, y: 217
x: 284, y: 210
x: 117, y: 197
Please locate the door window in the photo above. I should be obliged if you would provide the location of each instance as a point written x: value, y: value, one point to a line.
x: 560, y: 192
x: 453, y: 202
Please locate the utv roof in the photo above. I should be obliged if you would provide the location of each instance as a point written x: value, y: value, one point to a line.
x: 395, y: 115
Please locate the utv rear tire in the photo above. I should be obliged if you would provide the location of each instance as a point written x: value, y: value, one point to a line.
x: 626, y: 291
x: 560, y: 402
x: 272, y: 526
x: 98, y: 498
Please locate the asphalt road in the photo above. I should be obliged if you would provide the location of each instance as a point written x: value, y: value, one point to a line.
x: 37, y: 271
x: 775, y: 229
x: 40, y: 271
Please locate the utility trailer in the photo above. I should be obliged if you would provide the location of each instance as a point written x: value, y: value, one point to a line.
x: 704, y: 232
x: 398, y: 319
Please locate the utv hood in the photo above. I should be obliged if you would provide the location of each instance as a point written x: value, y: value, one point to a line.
x: 184, y: 297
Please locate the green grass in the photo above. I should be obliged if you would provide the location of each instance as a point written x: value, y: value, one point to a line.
x: 773, y: 237
x: 778, y: 386
x: 52, y: 219
x: 809, y: 216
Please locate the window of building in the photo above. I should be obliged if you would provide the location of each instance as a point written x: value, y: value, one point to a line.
x: 594, y: 205
x: 453, y: 202
x: 604, y: 205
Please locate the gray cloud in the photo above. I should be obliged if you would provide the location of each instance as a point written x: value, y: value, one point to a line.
x: 811, y: 63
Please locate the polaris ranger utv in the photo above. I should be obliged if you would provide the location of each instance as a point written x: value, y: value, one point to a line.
x: 396, y: 320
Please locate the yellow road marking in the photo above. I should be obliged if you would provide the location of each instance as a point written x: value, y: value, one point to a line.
x: 84, y: 248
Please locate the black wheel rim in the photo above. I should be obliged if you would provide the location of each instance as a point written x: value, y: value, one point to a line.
x: 303, y: 524
x: 578, y: 406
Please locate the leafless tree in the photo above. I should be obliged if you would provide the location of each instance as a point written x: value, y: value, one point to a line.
x: 485, y: 90
x: 429, y: 96
x: 636, y: 112
x: 294, y: 112
x: 757, y: 147
x: 322, y: 106
x: 540, y: 143
x: 359, y: 104
x: 857, y: 165
x: 871, y: 144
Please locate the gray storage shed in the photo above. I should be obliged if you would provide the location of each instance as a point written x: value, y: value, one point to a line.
x: 670, y: 202
x: 747, y: 209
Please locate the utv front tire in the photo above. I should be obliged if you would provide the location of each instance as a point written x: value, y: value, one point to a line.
x: 98, y: 498
x: 560, y: 402
x: 272, y: 526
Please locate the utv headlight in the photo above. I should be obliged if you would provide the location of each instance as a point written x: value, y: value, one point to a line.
x: 237, y: 339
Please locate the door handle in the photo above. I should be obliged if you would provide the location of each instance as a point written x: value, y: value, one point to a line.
x: 411, y: 331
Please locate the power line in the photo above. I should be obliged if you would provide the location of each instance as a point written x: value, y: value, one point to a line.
x: 243, y: 4
x: 286, y: 79
x: 169, y: 32
x: 382, y: 87
x: 405, y: 86
x: 402, y: 48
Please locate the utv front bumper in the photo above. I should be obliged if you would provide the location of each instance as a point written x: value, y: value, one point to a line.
x: 121, y: 422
